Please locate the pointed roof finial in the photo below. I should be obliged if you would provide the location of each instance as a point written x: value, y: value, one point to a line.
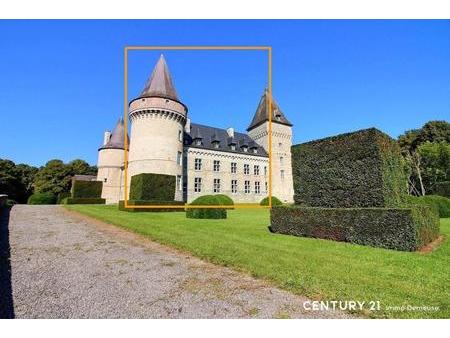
x: 160, y: 82
x: 262, y: 112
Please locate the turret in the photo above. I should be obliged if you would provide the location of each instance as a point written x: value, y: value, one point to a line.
x: 281, y: 131
x: 157, y: 119
x: 111, y: 163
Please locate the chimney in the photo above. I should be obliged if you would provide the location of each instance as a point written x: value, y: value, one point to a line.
x: 106, y: 137
x: 187, y: 127
x: 230, y: 132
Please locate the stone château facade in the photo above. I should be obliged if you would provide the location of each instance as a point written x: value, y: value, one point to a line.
x: 204, y: 160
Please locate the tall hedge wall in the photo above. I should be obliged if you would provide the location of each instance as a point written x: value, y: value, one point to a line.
x: 87, y: 189
x: 154, y: 187
x: 359, y: 169
x: 405, y: 229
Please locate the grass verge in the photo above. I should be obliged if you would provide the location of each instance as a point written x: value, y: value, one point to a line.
x: 319, y: 269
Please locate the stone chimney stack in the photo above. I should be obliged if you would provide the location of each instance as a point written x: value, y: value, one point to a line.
x: 106, y: 137
x: 187, y: 127
x: 230, y: 132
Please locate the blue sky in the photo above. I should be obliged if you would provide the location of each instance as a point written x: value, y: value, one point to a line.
x: 61, y: 82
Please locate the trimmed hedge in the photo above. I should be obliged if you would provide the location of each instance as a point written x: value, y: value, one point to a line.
x: 62, y: 196
x: 225, y: 200
x: 405, y: 229
x: 440, y: 203
x: 152, y: 187
x: 138, y: 202
x: 360, y: 169
x: 79, y: 200
x: 42, y: 198
x: 87, y: 189
x: 275, y: 201
x: 209, y: 213
x: 442, y: 189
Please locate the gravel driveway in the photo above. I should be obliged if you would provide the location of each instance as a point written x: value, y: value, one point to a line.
x: 65, y: 265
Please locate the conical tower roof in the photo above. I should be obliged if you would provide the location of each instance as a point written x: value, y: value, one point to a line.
x: 117, y: 139
x: 160, y: 82
x: 262, y: 113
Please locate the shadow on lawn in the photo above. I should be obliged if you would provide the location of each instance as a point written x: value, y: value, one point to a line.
x: 6, y: 300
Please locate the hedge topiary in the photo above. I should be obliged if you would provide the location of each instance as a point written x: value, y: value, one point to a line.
x: 131, y: 203
x: 442, y: 189
x: 275, y: 201
x: 62, y: 196
x: 87, y: 189
x: 86, y: 200
x: 405, y: 229
x: 440, y: 203
x: 225, y: 200
x: 152, y: 187
x: 360, y: 169
x: 209, y: 213
x: 42, y: 198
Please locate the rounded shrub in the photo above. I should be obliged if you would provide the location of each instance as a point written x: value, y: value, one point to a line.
x: 206, y: 213
x: 275, y: 201
x: 42, y: 198
x: 224, y: 199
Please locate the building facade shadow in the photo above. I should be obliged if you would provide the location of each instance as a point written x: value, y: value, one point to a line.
x: 6, y: 298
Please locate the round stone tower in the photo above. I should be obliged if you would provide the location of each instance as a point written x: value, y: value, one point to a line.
x: 281, y: 137
x: 157, y: 119
x: 111, y: 164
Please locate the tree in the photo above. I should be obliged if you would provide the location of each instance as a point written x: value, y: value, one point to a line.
x: 425, y: 151
x: 16, y: 180
x: 81, y: 167
x: 435, y: 163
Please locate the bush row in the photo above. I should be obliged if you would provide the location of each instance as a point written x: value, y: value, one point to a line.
x: 131, y: 203
x: 87, y: 189
x: 42, y: 198
x: 86, y: 200
x: 440, y: 203
x: 405, y: 229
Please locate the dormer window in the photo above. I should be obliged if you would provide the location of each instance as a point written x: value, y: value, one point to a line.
x: 198, y: 142
x: 215, y: 144
x: 244, y: 149
x: 255, y: 150
x: 233, y: 147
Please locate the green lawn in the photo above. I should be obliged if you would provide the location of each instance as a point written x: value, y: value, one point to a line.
x: 319, y: 269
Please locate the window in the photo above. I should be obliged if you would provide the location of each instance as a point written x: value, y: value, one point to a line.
x: 255, y: 150
x: 233, y: 147
x: 233, y: 167
x: 179, y: 183
x: 282, y: 174
x: 198, y: 142
x: 247, y: 187
x: 216, y: 165
x: 217, y: 185
x: 245, y: 149
x: 280, y: 145
x: 281, y: 160
x: 233, y: 186
x: 256, y: 170
x: 105, y: 180
x: 257, y: 188
x: 179, y: 158
x: 265, y: 186
x: 197, y: 184
x: 180, y: 136
x: 246, y: 169
x: 265, y: 171
x: 198, y: 164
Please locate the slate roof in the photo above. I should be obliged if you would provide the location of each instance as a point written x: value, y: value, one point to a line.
x: 160, y: 82
x: 116, y: 141
x: 261, y: 114
x: 210, y: 134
